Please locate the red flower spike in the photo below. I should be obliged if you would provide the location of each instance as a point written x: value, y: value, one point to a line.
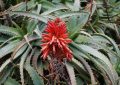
x: 55, y: 40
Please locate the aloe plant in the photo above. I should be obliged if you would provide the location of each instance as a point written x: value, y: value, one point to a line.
x: 94, y: 49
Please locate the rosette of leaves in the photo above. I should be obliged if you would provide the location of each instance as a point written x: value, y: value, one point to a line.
x: 95, y: 54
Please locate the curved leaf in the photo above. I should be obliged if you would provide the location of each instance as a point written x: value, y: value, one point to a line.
x: 37, y: 80
x: 22, y: 61
x: 11, y: 81
x: 9, y: 60
x: 8, y: 48
x: 29, y: 14
x: 59, y: 7
x: 8, y: 30
x: 71, y: 73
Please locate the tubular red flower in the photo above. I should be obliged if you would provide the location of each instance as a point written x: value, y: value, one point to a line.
x: 55, y: 40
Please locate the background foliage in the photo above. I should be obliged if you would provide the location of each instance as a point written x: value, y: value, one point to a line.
x: 94, y: 27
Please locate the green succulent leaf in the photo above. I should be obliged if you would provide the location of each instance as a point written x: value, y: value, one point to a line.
x: 37, y: 80
x: 11, y: 81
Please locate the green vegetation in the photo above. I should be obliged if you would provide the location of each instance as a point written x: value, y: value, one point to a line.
x: 93, y: 27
